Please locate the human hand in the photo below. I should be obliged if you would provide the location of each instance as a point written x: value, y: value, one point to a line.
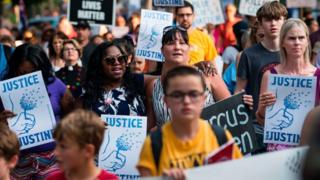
x: 207, y: 67
x: 248, y: 100
x: 267, y: 99
x: 175, y: 173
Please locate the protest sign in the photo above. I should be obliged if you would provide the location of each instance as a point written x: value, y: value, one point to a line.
x: 207, y: 11
x: 27, y: 97
x: 123, y: 140
x: 92, y: 11
x: 250, y: 7
x: 150, y: 34
x: 295, y: 98
x: 168, y: 3
x: 224, y: 153
x: 232, y: 114
x: 285, y: 164
x: 300, y: 4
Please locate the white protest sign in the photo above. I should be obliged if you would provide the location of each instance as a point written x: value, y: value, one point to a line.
x: 123, y: 140
x: 295, y: 98
x: 27, y: 97
x: 207, y: 11
x: 284, y: 164
x: 168, y: 3
x: 150, y: 34
x: 300, y: 3
x: 250, y: 7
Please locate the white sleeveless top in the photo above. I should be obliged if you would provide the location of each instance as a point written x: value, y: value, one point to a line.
x: 161, y: 111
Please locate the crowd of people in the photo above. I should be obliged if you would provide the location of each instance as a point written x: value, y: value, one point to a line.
x: 88, y: 75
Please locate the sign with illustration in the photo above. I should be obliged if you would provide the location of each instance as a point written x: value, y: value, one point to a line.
x: 295, y: 98
x: 232, y: 114
x: 168, y: 3
x: 207, y: 11
x: 93, y: 11
x: 300, y: 4
x: 123, y: 140
x: 27, y: 97
x: 150, y: 34
x: 250, y: 7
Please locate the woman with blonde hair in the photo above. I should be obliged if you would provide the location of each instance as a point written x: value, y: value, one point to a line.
x: 294, y: 60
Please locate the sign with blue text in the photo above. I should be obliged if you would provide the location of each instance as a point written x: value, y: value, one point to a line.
x: 150, y: 34
x: 232, y: 114
x: 168, y: 3
x: 27, y: 97
x: 123, y: 140
x: 207, y: 11
x: 295, y: 98
x: 250, y: 7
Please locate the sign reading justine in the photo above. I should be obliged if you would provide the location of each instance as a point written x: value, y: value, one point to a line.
x: 27, y: 97
x: 232, y: 114
x: 92, y: 11
x: 295, y: 98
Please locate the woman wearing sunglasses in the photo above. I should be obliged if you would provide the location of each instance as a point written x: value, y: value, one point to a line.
x: 175, y: 48
x: 109, y: 87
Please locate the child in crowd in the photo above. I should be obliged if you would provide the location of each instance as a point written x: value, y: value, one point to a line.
x: 9, y: 151
x: 79, y: 136
x: 186, y: 140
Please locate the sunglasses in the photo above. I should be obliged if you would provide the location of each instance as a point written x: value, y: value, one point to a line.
x: 170, y: 28
x: 122, y: 59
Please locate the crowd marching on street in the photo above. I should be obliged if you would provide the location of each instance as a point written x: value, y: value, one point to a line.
x: 160, y: 92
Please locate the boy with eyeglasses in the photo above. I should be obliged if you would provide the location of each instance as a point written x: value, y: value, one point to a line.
x: 187, y: 139
x: 201, y: 45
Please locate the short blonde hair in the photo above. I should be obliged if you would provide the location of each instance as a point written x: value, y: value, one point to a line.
x: 9, y: 144
x: 286, y: 27
x: 82, y: 126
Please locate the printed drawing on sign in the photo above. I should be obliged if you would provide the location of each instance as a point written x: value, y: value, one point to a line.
x: 25, y: 121
x: 152, y: 35
x: 117, y: 158
x: 283, y: 117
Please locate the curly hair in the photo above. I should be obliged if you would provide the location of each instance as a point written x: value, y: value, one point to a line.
x: 95, y: 78
x: 34, y: 54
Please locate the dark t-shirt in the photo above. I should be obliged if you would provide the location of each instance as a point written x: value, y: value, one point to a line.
x: 86, y: 54
x: 104, y: 175
x: 252, y: 65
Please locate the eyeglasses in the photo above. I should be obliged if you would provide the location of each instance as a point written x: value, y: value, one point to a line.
x: 69, y: 49
x: 179, y: 96
x: 182, y: 15
x: 170, y: 28
x: 122, y: 59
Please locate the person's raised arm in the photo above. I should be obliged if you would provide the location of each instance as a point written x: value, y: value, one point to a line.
x: 218, y: 87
